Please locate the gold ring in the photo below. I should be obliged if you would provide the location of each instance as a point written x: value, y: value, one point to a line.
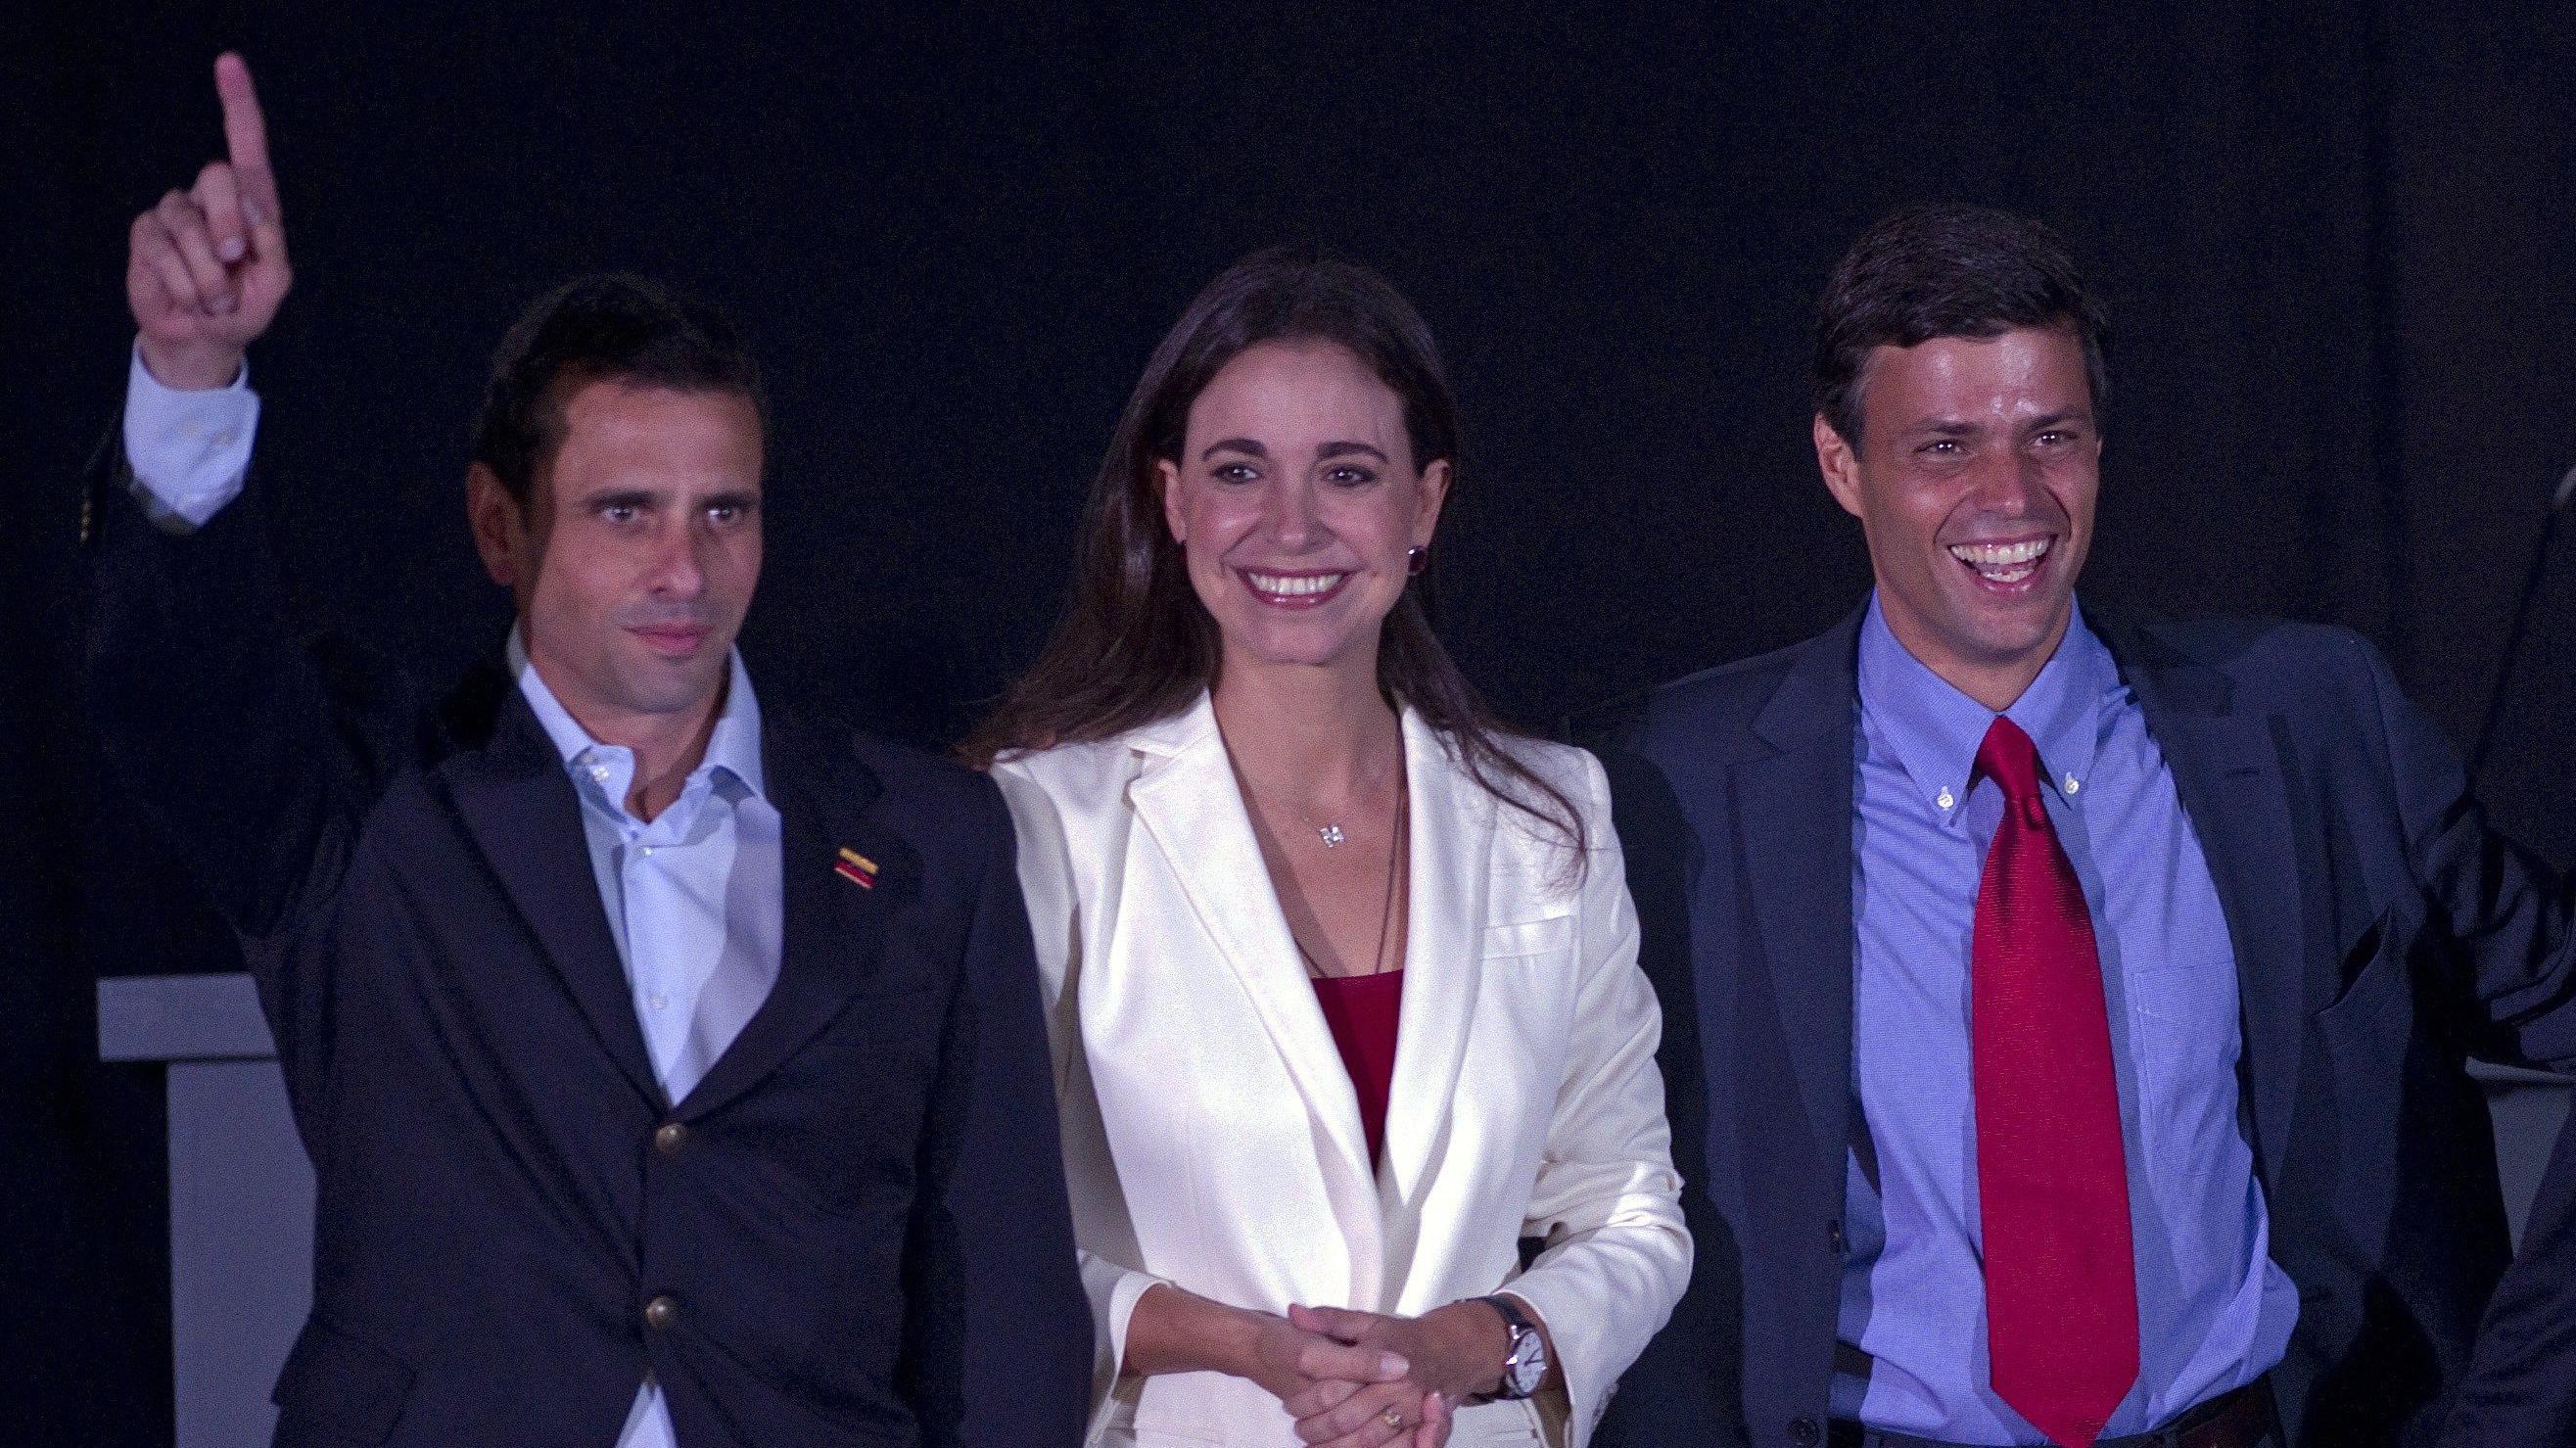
x: 1392, y: 1416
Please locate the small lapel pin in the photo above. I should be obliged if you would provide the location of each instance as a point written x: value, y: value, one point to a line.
x: 856, y: 868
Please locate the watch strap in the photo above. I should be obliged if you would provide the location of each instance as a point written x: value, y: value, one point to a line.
x: 1513, y: 1317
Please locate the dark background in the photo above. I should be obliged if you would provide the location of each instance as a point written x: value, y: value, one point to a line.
x: 2339, y: 250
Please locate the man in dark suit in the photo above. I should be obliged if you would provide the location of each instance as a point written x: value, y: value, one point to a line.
x: 672, y: 1072
x: 2065, y: 1014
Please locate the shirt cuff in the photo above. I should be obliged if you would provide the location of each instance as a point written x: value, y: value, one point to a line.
x: 189, y: 451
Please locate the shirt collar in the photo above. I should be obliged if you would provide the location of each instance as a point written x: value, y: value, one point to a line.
x: 1934, y: 730
x: 733, y: 746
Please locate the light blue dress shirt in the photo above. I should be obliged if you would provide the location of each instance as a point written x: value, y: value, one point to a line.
x: 2214, y: 1311
x: 189, y: 449
x: 695, y: 887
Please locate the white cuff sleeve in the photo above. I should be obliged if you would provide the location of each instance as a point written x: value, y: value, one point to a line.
x: 189, y: 450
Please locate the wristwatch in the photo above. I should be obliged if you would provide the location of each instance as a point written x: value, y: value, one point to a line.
x: 1525, y: 1362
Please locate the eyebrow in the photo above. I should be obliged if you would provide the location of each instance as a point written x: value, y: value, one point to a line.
x: 625, y: 496
x: 1961, y: 427
x: 1251, y: 448
x: 619, y: 497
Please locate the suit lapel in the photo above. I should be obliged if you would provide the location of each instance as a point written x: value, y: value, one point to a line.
x: 1795, y: 832
x: 2227, y: 774
x: 1191, y: 807
x: 523, y: 815
x: 1451, y: 842
x: 832, y: 929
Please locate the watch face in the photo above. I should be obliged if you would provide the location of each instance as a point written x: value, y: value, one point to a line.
x: 1526, y: 1368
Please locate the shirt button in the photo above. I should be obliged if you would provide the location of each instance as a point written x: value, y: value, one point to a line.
x: 671, y: 1138
x: 2073, y: 784
x: 1834, y: 1238
x: 648, y: 852
x: 1805, y: 1432
x: 657, y: 1000
x: 661, y: 1312
x: 1945, y: 799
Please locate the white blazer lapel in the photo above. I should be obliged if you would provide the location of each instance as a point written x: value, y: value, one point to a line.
x: 1452, y: 838
x: 1191, y: 806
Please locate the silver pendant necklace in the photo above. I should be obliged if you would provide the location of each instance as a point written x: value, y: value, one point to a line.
x: 1396, y: 850
x: 1329, y: 831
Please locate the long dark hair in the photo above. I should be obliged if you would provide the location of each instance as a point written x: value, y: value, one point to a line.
x: 1136, y: 645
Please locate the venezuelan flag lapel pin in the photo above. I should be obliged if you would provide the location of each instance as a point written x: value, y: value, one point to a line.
x: 856, y: 868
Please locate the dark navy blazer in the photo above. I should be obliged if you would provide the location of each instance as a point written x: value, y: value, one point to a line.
x: 2381, y: 934
x: 856, y: 1221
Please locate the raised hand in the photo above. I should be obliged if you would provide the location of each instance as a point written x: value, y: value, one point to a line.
x: 206, y: 268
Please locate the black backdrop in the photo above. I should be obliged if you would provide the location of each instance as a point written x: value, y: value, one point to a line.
x: 2340, y: 252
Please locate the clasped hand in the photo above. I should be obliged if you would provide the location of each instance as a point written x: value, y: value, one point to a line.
x: 1365, y: 1379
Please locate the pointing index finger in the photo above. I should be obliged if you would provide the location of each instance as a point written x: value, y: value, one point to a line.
x: 245, y: 129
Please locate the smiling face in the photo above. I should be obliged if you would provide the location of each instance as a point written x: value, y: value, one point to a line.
x: 635, y: 556
x: 1295, y: 498
x: 1974, y: 483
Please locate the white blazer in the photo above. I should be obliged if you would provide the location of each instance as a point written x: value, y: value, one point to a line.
x: 1211, y: 1136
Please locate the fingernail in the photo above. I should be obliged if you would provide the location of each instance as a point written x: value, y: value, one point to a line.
x: 1392, y: 1365
x: 224, y: 305
x: 230, y: 248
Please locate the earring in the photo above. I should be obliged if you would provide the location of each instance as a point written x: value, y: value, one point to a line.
x: 1416, y: 558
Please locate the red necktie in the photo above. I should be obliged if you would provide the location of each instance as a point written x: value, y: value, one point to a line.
x: 2052, y: 1178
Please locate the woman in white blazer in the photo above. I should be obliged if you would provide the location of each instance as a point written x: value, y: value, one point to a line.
x: 1341, y: 978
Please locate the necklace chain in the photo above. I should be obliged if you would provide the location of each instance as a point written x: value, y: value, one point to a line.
x: 1333, y: 836
x: 1386, y: 908
x: 1329, y: 831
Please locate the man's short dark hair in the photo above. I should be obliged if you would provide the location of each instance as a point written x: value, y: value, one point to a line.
x: 1947, y: 270
x: 610, y: 327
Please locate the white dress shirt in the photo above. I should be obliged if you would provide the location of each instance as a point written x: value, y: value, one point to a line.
x: 695, y: 886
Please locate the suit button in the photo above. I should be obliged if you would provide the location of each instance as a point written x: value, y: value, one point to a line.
x: 1805, y: 1432
x: 671, y: 1138
x: 1834, y: 1238
x: 662, y: 1311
